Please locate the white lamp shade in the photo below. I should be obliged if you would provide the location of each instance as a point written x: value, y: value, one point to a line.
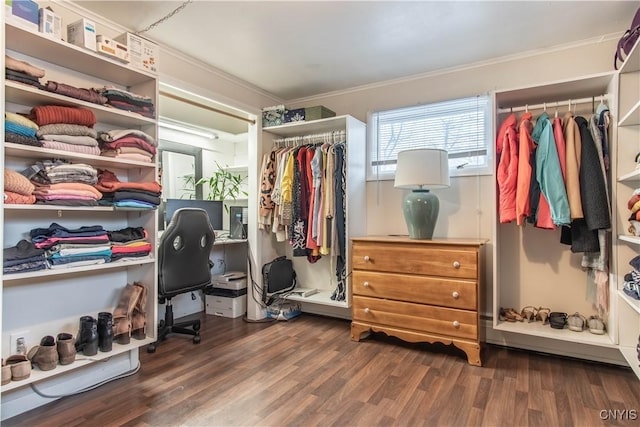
x: 423, y: 167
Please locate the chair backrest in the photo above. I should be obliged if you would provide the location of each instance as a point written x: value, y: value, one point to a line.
x: 183, y: 253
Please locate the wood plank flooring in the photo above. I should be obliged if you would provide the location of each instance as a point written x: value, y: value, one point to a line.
x: 307, y: 372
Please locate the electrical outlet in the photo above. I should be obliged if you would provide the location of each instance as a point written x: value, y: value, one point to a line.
x: 14, y: 340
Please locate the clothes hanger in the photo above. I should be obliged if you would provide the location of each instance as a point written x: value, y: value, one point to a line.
x: 556, y: 113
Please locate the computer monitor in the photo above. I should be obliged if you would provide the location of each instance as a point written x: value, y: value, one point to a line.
x: 212, y: 207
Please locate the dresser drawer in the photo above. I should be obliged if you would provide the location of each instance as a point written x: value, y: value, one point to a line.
x: 416, y: 317
x: 419, y: 289
x: 433, y: 260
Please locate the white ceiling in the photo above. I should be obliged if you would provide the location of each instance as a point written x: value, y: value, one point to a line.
x: 296, y: 49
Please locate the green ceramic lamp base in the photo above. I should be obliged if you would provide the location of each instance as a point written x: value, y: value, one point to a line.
x: 420, y: 209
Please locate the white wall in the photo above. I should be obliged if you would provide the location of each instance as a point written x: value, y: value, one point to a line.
x: 467, y: 207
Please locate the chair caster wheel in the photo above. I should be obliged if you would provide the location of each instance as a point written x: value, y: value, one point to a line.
x: 161, y: 324
x: 196, y: 326
x: 151, y: 348
x: 196, y: 339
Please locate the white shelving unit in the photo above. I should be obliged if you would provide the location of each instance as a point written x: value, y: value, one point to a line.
x: 531, y: 266
x: 627, y: 247
x: 320, y: 275
x: 48, y: 302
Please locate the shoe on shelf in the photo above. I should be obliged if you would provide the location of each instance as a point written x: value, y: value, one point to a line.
x: 557, y: 319
x: 87, y: 339
x: 510, y: 315
x: 576, y: 322
x: 123, y: 313
x: 65, y: 346
x: 138, y: 317
x: 105, y: 331
x: 543, y: 314
x: 45, y: 355
x: 20, y: 367
x: 6, y: 373
x: 529, y: 312
x: 596, y: 325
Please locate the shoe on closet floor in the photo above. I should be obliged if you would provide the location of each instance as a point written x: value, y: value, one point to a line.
x: 20, y: 367
x: 45, y: 355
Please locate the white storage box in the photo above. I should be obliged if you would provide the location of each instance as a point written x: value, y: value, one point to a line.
x: 112, y: 49
x: 143, y: 54
x: 49, y: 23
x: 82, y: 33
x: 226, y: 307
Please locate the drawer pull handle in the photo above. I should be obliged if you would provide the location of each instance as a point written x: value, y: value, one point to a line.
x: 456, y: 324
x: 366, y: 258
x: 366, y: 310
x: 455, y: 295
x: 456, y: 264
x: 365, y: 284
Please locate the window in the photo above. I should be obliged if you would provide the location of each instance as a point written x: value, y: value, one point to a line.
x: 460, y: 126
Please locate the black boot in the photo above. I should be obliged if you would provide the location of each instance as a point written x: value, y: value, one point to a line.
x: 87, y: 340
x: 105, y: 331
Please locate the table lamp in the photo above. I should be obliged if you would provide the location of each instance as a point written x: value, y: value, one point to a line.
x: 422, y: 170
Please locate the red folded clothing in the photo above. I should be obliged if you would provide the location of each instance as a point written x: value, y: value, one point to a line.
x: 50, y: 114
x: 108, y: 182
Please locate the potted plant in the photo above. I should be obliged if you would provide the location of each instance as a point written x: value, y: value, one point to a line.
x: 223, y: 185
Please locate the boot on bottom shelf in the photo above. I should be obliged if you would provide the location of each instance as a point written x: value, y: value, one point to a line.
x: 138, y: 317
x: 45, y: 355
x: 123, y: 313
x: 66, y: 348
x: 87, y: 340
x: 105, y: 331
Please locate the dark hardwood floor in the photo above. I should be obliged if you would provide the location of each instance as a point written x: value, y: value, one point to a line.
x: 307, y: 372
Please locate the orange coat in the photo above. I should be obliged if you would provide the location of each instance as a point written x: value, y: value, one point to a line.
x: 507, y: 175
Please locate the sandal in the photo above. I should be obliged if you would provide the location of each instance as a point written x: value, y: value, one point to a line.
x: 529, y: 313
x: 596, y: 325
x: 510, y: 315
x: 576, y: 322
x: 543, y: 314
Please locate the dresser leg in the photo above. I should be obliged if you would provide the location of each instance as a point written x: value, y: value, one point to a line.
x: 472, y: 351
x: 359, y: 332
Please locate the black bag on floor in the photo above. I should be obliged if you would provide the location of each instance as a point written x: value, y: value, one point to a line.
x: 278, y: 277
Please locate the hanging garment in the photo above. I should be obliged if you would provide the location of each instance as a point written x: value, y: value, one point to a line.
x: 573, y: 145
x: 340, y: 209
x: 301, y: 206
x: 507, y: 151
x: 548, y: 171
x: 526, y: 153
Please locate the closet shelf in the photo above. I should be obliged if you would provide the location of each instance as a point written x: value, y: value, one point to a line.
x: 237, y: 168
x: 24, y: 94
x: 307, y: 128
x: 65, y: 54
x: 29, y: 152
x: 322, y: 297
x: 633, y: 303
x: 22, y: 208
x: 630, y: 239
x: 630, y: 354
x: 537, y: 329
x: 631, y: 176
x: 44, y: 274
x: 81, y: 361
x: 632, y: 118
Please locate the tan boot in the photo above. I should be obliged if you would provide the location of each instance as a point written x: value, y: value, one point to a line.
x: 65, y: 346
x: 45, y: 356
x: 20, y: 367
x: 122, y: 314
x: 138, y: 318
x: 6, y: 374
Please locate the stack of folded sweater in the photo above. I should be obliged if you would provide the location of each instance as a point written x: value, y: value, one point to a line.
x: 20, y: 130
x: 129, y: 244
x: 18, y: 189
x: 58, y: 182
x: 632, y: 279
x: 23, y: 257
x: 128, y: 144
x: 129, y: 101
x: 23, y: 72
x: 65, y: 248
x: 137, y: 195
x: 66, y: 128
x: 89, y: 95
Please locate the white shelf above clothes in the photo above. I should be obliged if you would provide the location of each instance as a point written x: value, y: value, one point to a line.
x: 630, y: 239
x: 633, y: 176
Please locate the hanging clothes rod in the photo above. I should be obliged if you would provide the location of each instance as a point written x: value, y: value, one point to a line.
x: 328, y: 137
x: 556, y: 104
x: 206, y: 107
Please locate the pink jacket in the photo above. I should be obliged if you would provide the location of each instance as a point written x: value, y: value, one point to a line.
x: 507, y: 151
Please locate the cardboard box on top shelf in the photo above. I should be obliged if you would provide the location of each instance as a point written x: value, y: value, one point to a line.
x: 143, y: 54
x: 49, y: 23
x: 112, y: 49
x: 23, y: 13
x: 82, y: 33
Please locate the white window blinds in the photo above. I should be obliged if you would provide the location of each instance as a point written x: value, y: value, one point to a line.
x: 460, y: 126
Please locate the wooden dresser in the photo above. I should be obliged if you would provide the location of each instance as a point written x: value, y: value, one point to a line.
x: 418, y: 290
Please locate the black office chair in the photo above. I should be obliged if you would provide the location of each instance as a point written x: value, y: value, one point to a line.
x: 183, y: 266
